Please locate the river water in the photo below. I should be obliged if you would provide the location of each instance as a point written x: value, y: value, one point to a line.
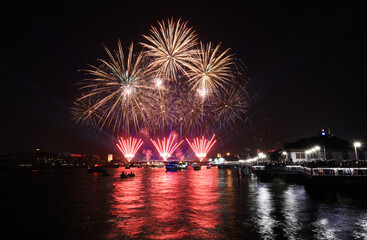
x: 206, y: 204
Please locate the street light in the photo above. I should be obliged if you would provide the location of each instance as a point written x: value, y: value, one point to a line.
x: 261, y: 155
x: 357, y: 145
x: 317, y: 148
x: 307, y: 154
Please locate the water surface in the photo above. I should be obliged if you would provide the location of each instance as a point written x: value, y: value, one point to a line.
x: 205, y: 204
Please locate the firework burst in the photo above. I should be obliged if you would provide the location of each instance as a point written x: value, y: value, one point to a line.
x: 211, y: 70
x: 201, y: 146
x: 119, y: 85
x: 166, y: 147
x: 83, y: 115
x: 230, y: 107
x: 171, y: 48
x: 173, y: 84
x: 129, y: 147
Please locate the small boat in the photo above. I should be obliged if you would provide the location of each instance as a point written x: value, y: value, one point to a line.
x: 96, y: 169
x: 182, y: 166
x: 209, y: 167
x: 172, y: 166
x: 196, y: 166
x: 115, y: 165
x: 127, y: 167
x: 245, y: 172
x: 156, y: 165
x: 123, y: 175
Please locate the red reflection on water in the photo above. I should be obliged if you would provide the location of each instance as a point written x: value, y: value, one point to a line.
x: 166, y: 205
x: 204, y: 202
x: 126, y: 205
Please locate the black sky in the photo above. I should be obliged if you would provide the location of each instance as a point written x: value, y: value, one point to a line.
x: 306, y: 62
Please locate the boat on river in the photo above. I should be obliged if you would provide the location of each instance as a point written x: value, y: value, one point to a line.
x: 172, y: 166
x: 156, y: 165
x: 182, y: 165
x: 127, y: 175
x: 96, y: 169
x: 196, y: 166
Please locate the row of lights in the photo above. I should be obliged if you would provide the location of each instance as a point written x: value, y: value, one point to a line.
x: 312, y: 150
x: 317, y: 148
x: 258, y: 157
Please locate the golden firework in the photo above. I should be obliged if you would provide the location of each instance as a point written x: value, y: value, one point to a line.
x: 170, y: 47
x: 211, y: 70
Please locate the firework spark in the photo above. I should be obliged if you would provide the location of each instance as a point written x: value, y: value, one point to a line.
x: 230, y: 107
x: 129, y: 147
x: 83, y: 115
x: 173, y: 83
x: 211, y: 70
x: 166, y: 147
x: 118, y: 83
x: 201, y: 146
x: 171, y: 47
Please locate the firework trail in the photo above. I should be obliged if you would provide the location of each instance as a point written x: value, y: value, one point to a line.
x: 129, y: 147
x: 166, y: 147
x: 201, y: 146
x: 211, y: 70
x: 171, y: 48
x: 174, y: 84
x: 119, y: 85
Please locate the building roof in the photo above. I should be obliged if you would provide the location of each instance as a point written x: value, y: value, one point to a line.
x: 330, y: 142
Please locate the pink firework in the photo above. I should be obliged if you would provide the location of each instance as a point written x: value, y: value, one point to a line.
x: 129, y: 147
x: 166, y: 147
x: 201, y: 146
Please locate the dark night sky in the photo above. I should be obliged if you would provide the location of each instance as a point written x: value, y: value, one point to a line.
x: 306, y: 62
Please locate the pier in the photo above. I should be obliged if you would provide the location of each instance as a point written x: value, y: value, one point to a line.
x: 328, y: 178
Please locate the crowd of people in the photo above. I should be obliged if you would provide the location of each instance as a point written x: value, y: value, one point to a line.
x: 334, y: 163
x: 314, y: 164
x: 321, y: 167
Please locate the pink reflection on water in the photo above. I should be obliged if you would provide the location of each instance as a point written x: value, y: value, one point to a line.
x: 204, y: 202
x: 166, y: 205
x: 126, y: 206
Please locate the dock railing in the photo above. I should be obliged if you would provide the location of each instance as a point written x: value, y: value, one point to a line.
x: 320, y: 171
x: 329, y: 171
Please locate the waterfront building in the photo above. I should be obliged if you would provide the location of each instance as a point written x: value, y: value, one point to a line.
x: 321, y: 147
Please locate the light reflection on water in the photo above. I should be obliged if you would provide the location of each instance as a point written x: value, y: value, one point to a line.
x: 264, y: 213
x: 293, y: 198
x: 160, y: 205
x: 205, y: 204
